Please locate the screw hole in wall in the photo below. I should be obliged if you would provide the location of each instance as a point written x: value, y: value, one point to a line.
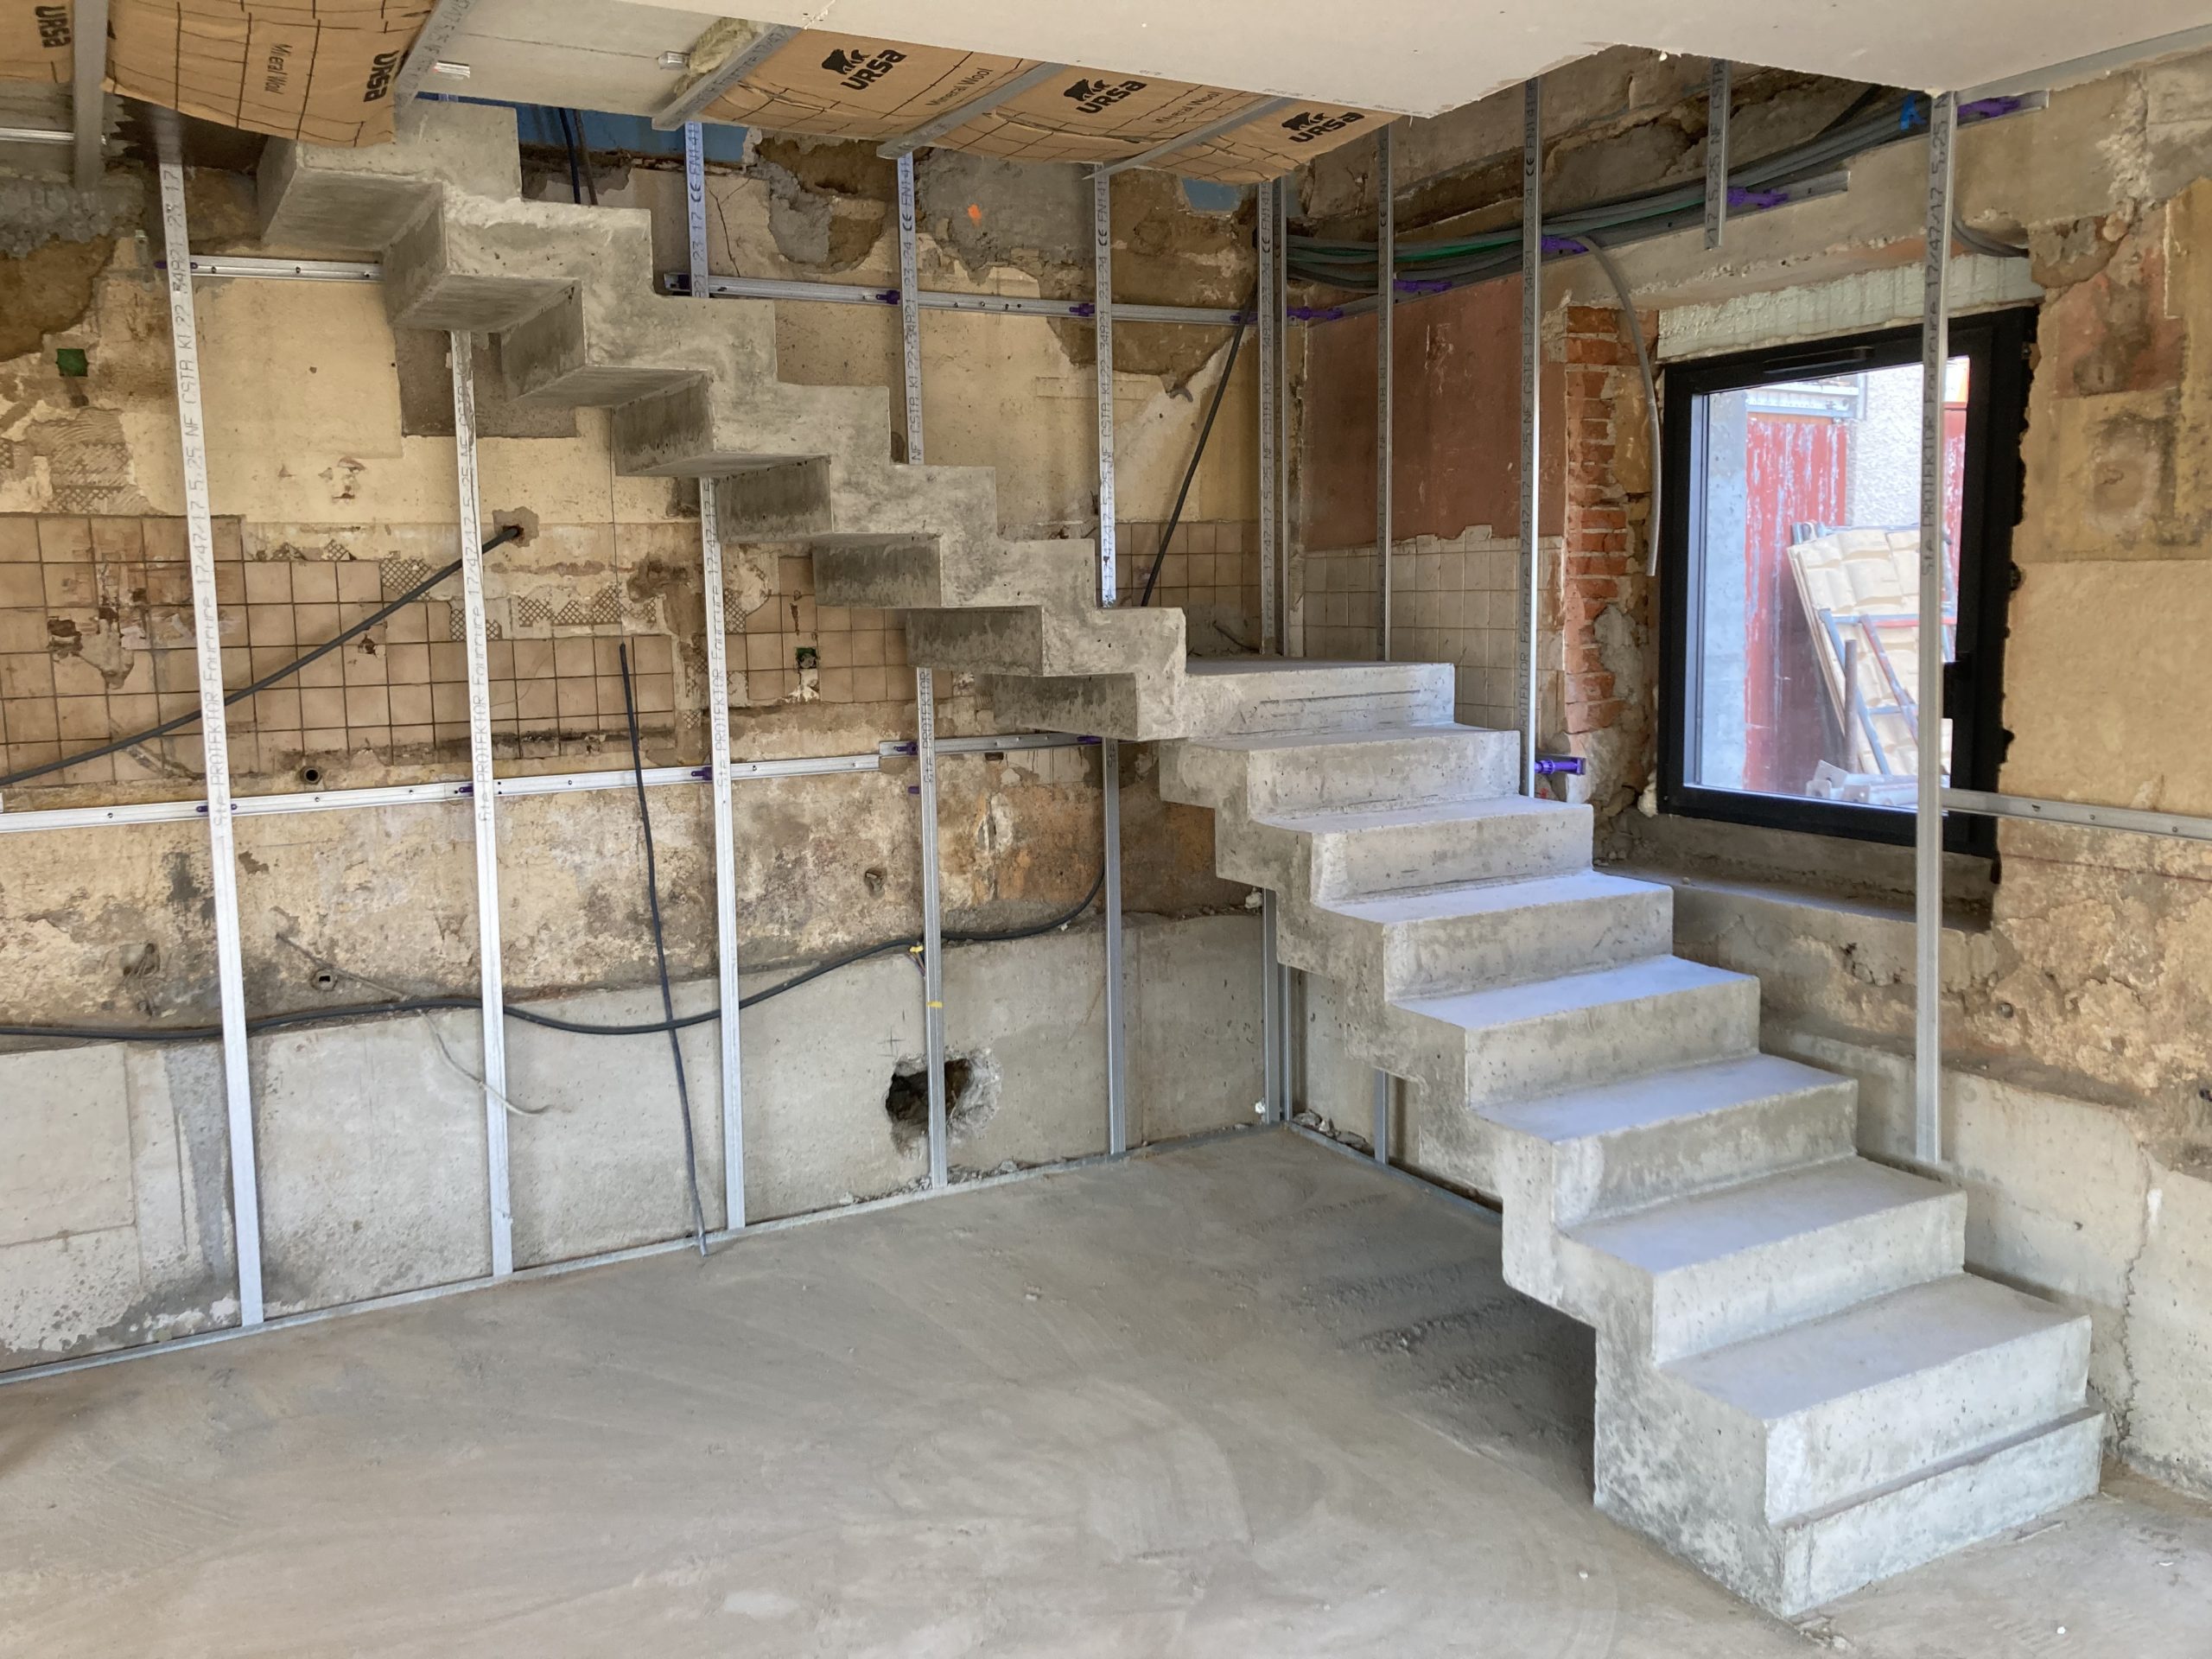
x: 311, y: 776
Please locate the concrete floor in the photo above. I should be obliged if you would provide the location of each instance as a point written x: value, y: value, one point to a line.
x: 1247, y: 1397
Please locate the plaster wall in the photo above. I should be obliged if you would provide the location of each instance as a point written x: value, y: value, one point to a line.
x: 115, y: 1205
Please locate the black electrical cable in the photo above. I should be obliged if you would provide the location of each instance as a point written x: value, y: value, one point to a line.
x: 531, y: 1016
x: 1190, y: 472
x: 660, y: 949
x: 576, y: 173
x: 583, y: 153
x: 178, y: 722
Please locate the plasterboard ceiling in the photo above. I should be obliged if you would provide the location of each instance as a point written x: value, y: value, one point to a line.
x: 1418, y: 56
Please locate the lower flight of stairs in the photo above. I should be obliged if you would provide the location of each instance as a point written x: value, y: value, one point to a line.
x: 1798, y: 1387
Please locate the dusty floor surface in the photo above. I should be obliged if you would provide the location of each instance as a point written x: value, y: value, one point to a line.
x: 1248, y: 1397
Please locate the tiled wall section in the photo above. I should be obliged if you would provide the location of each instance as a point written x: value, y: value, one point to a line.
x: 1211, y: 571
x: 1455, y: 602
x: 96, y: 642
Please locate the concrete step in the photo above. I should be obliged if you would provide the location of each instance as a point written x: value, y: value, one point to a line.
x: 1695, y: 1273
x: 612, y: 340
x: 1142, y: 708
x: 1584, y: 1029
x: 329, y: 202
x: 1851, y: 1403
x: 1444, y: 939
x: 1035, y: 640
x: 1243, y: 696
x: 1389, y: 766
x: 1367, y: 853
x: 1876, y: 1534
x: 904, y: 572
x: 479, y: 264
x: 1622, y: 1145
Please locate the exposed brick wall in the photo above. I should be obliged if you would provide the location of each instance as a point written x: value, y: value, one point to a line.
x: 1606, y: 659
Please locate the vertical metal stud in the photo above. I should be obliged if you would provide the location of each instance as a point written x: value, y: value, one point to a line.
x: 1381, y: 1139
x: 1532, y: 346
x: 1109, y: 752
x: 909, y: 356
x: 1717, y: 96
x: 483, y: 793
x: 1117, y: 1044
x: 1101, y: 268
x: 728, y: 994
x: 88, y: 95
x: 1270, y: 351
x: 1386, y: 294
x: 1273, y: 1089
x: 208, y: 646
x: 1928, y: 822
x: 1281, y: 434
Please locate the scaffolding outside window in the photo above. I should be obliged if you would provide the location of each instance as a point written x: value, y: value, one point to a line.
x: 1792, y: 608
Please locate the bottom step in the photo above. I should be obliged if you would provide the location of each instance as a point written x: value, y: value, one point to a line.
x: 1816, y: 1557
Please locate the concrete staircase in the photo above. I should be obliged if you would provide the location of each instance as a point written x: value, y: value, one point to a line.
x: 1799, y: 1389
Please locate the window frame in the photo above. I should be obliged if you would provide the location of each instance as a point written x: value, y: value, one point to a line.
x: 1997, y: 345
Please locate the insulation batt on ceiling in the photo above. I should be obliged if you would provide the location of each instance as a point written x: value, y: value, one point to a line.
x: 322, y: 71
x: 832, y: 85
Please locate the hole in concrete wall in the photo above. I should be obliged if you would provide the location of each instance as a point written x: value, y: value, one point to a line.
x: 971, y: 1096
x: 311, y: 776
x: 324, y: 980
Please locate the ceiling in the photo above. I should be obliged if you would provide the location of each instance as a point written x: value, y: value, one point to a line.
x: 1420, y: 57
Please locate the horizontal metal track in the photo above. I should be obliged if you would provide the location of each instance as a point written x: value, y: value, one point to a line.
x: 2131, y: 820
x: 756, y: 288
x: 567, y: 783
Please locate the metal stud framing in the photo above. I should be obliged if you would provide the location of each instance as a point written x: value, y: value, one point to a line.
x: 1532, y: 346
x: 208, y: 646
x: 1274, y: 1085
x: 1386, y: 294
x: 88, y: 100
x: 1278, y: 431
x: 711, y: 560
x: 483, y: 798
x: 910, y: 358
x: 1270, y: 307
x: 1206, y: 134
x: 444, y: 23
x: 1109, y: 753
x: 907, y: 144
x: 1717, y: 96
x: 1928, y: 822
x: 1380, y: 1138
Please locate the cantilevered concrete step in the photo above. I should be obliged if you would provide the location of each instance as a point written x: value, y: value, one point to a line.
x: 1443, y: 939
x: 1386, y: 767
x: 1622, y: 1145
x: 1846, y: 1405
x: 1239, y: 696
x: 1037, y: 640
x: 914, y: 574
x: 1367, y: 852
x: 1694, y: 1273
x: 1580, y: 1030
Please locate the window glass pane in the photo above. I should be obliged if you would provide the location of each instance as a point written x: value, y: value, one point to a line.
x: 1805, y: 645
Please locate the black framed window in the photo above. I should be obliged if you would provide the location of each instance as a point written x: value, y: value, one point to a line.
x: 1789, y: 577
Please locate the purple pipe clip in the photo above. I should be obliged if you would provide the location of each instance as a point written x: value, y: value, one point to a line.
x: 1421, y: 285
x: 1986, y: 109
x: 886, y: 295
x: 1563, y: 244
x: 1739, y: 197
x: 1549, y: 765
x: 1313, y: 313
x: 1083, y: 309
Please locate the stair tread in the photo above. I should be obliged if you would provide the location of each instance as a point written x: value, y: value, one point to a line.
x: 1708, y: 1226
x: 1661, y: 1098
x: 1469, y: 809
x: 1507, y: 1005
x: 1469, y: 899
x: 1909, y: 1330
